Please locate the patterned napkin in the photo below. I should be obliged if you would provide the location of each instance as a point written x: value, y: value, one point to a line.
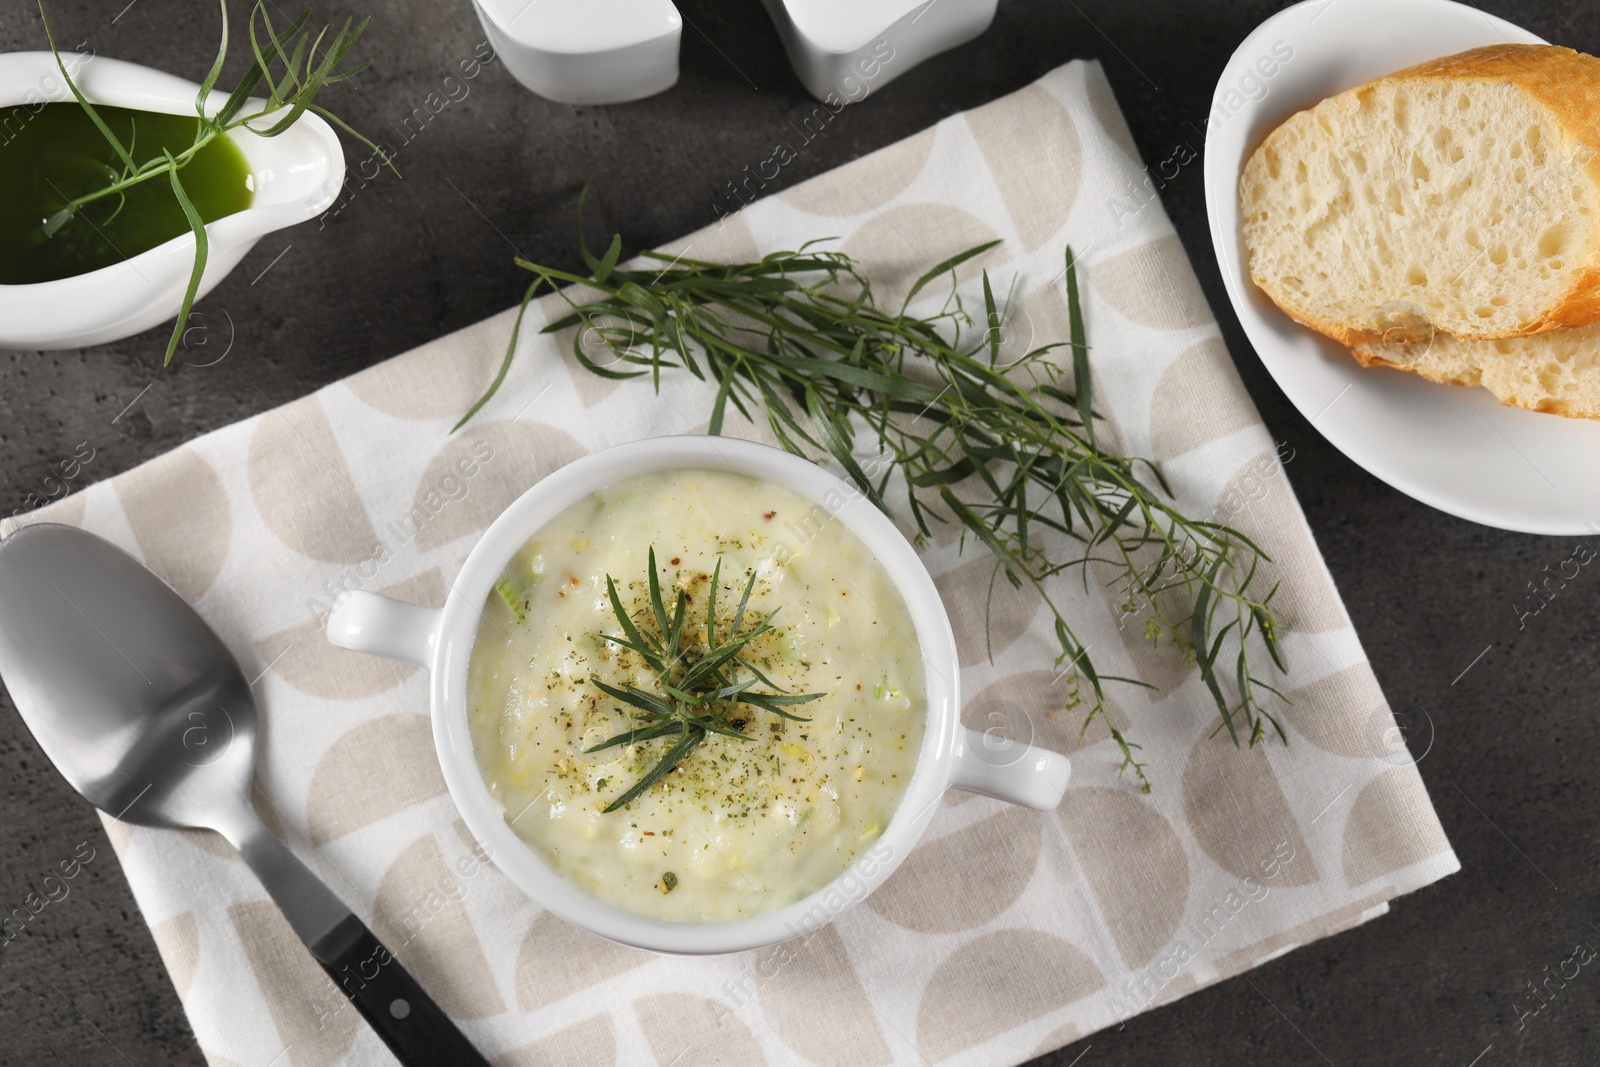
x: 1008, y: 932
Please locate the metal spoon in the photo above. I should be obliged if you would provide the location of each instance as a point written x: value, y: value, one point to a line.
x: 145, y: 712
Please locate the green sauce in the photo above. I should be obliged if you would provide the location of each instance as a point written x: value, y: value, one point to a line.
x: 58, y: 154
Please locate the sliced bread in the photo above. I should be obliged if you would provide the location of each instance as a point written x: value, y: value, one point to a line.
x: 1460, y: 195
x: 1558, y: 372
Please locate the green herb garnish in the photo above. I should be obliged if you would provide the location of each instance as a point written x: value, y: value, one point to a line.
x: 306, y: 65
x: 698, y: 680
x: 1009, y: 451
x: 670, y: 881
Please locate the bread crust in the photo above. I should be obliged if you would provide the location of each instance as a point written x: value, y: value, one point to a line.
x: 1567, y: 84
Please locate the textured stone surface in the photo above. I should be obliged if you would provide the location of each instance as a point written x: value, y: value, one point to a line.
x: 404, y: 261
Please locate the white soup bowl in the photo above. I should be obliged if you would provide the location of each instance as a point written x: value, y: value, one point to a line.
x: 952, y: 756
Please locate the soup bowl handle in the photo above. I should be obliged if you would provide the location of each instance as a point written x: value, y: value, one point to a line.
x: 1009, y: 770
x: 383, y: 626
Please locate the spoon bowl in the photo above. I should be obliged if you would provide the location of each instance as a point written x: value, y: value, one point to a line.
x: 164, y: 733
x: 143, y: 709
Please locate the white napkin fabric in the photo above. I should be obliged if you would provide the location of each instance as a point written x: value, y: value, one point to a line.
x: 1007, y: 932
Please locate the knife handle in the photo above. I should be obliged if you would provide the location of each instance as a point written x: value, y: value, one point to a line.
x: 416, y: 1029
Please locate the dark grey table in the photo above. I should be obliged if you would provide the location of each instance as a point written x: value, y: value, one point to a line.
x: 407, y: 260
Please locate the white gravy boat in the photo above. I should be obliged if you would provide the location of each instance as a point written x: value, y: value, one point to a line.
x: 294, y: 176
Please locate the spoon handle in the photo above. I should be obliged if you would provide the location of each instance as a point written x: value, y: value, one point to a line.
x: 416, y: 1030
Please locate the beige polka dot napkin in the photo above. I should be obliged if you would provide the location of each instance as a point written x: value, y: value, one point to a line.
x: 1007, y: 932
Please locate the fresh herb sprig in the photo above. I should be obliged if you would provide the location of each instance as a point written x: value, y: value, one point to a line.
x: 1008, y: 451
x: 294, y: 66
x: 701, y: 681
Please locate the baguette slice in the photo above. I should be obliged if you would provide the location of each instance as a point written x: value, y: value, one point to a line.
x: 1558, y: 372
x: 1460, y: 195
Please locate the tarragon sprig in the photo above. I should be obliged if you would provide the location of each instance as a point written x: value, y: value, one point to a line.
x: 1006, y: 450
x: 699, y: 684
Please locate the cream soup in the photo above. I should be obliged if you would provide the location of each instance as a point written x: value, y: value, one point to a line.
x: 743, y: 824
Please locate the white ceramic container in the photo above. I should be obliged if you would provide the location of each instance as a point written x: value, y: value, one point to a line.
x: 590, y: 52
x: 847, y: 48
x: 952, y: 756
x: 295, y: 177
x: 1453, y: 448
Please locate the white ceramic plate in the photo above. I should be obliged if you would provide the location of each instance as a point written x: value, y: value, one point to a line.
x: 1453, y: 448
